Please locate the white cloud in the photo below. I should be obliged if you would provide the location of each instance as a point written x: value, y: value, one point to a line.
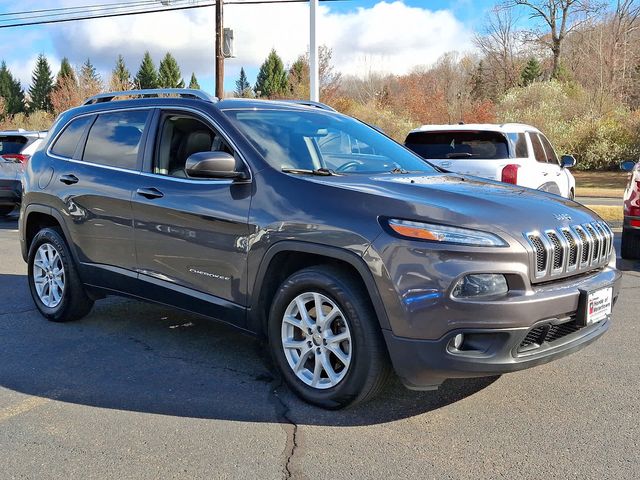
x: 390, y: 37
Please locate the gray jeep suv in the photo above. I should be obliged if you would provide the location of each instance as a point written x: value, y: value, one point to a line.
x: 347, y: 252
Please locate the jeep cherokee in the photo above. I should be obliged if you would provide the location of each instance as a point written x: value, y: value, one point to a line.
x: 350, y: 254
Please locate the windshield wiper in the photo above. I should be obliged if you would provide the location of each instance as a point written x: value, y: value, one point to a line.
x: 321, y: 172
x: 399, y: 170
x: 459, y: 155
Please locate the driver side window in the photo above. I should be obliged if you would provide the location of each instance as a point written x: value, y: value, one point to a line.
x: 179, y: 137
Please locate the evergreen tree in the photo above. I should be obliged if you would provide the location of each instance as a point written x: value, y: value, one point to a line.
x: 11, y: 91
x: 66, y: 71
x: 243, y: 87
x: 531, y: 72
x: 89, y: 81
x: 478, y: 84
x: 147, y: 76
x: 272, y: 77
x: 120, y: 76
x: 41, y: 86
x: 194, y: 82
x: 169, y: 75
x: 298, y: 77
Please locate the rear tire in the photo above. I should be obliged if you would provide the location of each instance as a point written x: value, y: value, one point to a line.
x: 331, y: 373
x: 630, y: 246
x: 53, y: 279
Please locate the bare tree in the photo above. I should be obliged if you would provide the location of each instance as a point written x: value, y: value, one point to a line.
x: 499, y: 44
x: 561, y: 17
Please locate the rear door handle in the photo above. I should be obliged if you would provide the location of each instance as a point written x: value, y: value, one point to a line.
x: 150, y: 193
x: 544, y: 174
x: 69, y: 179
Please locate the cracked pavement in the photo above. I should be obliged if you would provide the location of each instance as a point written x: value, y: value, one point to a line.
x: 143, y: 391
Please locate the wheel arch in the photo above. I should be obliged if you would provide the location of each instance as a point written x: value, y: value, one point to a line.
x: 34, y: 218
x: 286, y: 257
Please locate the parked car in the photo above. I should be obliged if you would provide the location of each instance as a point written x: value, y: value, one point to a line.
x: 347, y: 252
x: 630, y: 247
x: 16, y: 146
x: 512, y: 153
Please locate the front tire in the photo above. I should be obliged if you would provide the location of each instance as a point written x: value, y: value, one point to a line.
x: 630, y: 246
x: 55, y: 285
x: 325, y: 338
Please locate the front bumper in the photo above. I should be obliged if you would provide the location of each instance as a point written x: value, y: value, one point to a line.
x: 423, y: 364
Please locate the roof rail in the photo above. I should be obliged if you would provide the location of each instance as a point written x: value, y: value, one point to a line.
x: 152, y: 92
x: 310, y: 103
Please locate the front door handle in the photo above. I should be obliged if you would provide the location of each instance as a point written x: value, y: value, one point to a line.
x: 150, y: 193
x: 69, y: 179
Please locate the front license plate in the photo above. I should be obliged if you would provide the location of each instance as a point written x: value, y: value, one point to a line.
x: 598, y: 305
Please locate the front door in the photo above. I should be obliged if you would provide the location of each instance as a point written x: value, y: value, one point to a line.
x: 190, y: 233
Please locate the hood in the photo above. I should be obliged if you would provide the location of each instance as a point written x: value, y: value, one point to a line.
x: 464, y: 201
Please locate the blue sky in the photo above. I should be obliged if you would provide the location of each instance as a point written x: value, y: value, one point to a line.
x: 365, y: 35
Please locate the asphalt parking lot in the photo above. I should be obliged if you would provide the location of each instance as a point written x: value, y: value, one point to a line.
x: 142, y: 391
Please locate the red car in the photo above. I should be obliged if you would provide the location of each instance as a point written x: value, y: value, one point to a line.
x: 631, y: 228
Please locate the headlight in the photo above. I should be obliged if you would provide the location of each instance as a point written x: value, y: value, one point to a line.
x: 445, y: 234
x: 480, y: 285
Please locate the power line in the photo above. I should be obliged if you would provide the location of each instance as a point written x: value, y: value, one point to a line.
x: 112, y: 13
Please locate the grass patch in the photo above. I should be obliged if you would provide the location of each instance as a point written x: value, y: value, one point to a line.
x: 609, y: 213
x: 600, y: 184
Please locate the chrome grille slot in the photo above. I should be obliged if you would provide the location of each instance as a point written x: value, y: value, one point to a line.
x: 595, y: 254
x: 587, y: 245
x: 569, y: 250
x: 540, y: 254
x: 557, y: 254
x: 573, y: 248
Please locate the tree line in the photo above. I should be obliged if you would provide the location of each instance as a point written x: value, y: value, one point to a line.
x: 49, y: 94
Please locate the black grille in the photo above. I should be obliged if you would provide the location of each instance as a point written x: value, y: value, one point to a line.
x: 557, y: 250
x: 573, y: 248
x: 547, y: 334
x: 541, y: 253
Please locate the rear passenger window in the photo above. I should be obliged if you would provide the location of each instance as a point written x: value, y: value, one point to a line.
x: 550, y: 154
x: 67, y: 142
x: 538, y: 150
x: 114, y: 139
x: 519, y: 145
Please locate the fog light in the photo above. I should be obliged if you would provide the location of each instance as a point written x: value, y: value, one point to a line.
x: 480, y: 285
x: 457, y: 341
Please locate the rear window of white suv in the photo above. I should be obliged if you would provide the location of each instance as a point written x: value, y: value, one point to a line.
x: 459, y: 145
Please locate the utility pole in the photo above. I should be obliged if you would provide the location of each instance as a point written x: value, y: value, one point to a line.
x: 219, y: 54
x: 314, y: 83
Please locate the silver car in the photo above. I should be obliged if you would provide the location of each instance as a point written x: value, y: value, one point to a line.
x: 16, y: 147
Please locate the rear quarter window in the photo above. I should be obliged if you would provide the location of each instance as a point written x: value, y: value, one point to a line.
x: 114, y: 139
x: 462, y: 145
x: 65, y: 145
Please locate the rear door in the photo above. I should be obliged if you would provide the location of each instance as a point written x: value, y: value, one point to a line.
x: 551, y: 177
x: 97, y: 164
x: 480, y: 153
x: 191, y: 232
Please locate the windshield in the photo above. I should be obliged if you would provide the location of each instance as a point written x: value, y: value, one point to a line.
x: 311, y: 140
x: 461, y: 145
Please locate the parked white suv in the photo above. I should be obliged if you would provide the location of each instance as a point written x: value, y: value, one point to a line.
x: 16, y: 147
x: 511, y: 152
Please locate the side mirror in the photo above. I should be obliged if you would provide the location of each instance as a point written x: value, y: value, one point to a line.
x: 627, y: 166
x: 212, y: 165
x: 568, y: 161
